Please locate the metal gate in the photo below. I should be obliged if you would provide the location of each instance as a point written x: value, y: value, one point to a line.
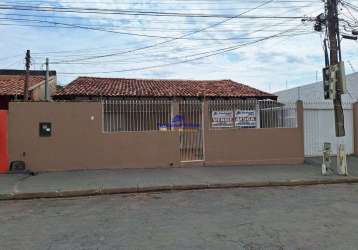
x: 319, y: 128
x: 190, y: 121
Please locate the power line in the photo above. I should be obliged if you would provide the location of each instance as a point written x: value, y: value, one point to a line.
x: 180, y: 37
x: 162, y: 57
x: 217, y: 52
x: 136, y: 13
x: 154, y: 45
x: 149, y: 46
x: 77, y: 26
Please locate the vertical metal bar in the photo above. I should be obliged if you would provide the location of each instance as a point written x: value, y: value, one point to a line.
x: 160, y: 107
x: 127, y: 114
x: 136, y: 111
x: 141, y: 117
x: 191, y: 114
x: 112, y: 121
x: 133, y: 110
x: 132, y: 116
x: 120, y: 115
x: 144, y: 103
x: 266, y: 114
x: 147, y: 114
x: 150, y: 113
x: 185, y: 133
x: 110, y: 116
x: 103, y: 117
x: 117, y: 114
x: 188, y: 133
x: 114, y: 115
x: 192, y: 118
x: 107, y: 115
x: 194, y: 133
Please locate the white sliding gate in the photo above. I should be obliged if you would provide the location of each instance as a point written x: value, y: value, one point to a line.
x: 319, y: 127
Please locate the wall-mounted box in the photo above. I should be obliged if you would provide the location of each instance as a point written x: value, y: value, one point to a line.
x: 45, y: 129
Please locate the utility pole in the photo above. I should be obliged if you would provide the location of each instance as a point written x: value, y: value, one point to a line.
x: 334, y: 78
x: 46, y: 79
x: 27, y: 75
x: 335, y: 58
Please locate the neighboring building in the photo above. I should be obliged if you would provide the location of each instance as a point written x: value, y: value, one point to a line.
x: 314, y: 92
x: 92, y: 88
x: 319, y: 123
x: 12, y: 85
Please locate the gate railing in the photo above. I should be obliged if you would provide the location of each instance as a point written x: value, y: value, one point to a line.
x: 128, y: 115
x: 191, y: 132
x: 252, y: 114
x: 135, y: 115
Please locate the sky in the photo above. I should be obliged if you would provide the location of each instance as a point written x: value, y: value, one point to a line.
x: 267, y: 53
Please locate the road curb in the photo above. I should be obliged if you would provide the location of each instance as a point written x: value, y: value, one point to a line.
x: 168, y: 188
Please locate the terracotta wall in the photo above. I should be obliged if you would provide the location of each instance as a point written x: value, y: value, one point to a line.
x: 77, y: 141
x: 4, y: 158
x: 254, y: 146
x: 355, y: 124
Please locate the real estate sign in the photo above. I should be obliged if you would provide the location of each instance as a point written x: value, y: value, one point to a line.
x: 222, y: 119
x: 245, y: 118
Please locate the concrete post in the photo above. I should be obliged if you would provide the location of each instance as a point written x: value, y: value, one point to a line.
x: 300, y: 125
x: 355, y: 124
x: 206, y: 126
x: 174, y: 111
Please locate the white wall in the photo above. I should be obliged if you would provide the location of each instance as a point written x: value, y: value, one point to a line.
x: 314, y: 92
x: 319, y: 128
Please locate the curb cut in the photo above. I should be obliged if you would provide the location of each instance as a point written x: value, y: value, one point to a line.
x: 168, y: 188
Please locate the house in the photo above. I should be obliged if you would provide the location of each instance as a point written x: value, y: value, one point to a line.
x: 122, y: 96
x: 12, y: 85
x: 92, y: 88
x: 110, y: 123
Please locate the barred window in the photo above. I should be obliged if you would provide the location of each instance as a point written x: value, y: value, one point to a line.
x: 135, y: 115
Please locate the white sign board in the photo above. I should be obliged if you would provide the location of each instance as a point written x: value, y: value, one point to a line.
x: 245, y: 118
x: 222, y: 119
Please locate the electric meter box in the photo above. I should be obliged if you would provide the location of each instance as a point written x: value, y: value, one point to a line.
x: 45, y: 129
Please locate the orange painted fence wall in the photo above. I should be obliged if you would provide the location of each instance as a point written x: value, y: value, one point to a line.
x: 4, y: 158
x: 78, y: 141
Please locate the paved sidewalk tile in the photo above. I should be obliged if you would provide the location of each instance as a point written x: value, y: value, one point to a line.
x: 147, y: 179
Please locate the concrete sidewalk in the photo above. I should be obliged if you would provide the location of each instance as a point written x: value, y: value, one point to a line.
x: 96, y: 182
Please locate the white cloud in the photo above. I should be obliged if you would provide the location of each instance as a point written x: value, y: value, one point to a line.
x: 268, y: 63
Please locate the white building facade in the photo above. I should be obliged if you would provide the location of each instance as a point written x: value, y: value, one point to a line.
x: 319, y: 115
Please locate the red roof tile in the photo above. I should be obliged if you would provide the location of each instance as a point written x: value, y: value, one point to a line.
x: 111, y: 87
x: 14, y: 84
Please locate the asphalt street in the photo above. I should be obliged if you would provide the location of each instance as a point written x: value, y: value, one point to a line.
x: 314, y: 217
